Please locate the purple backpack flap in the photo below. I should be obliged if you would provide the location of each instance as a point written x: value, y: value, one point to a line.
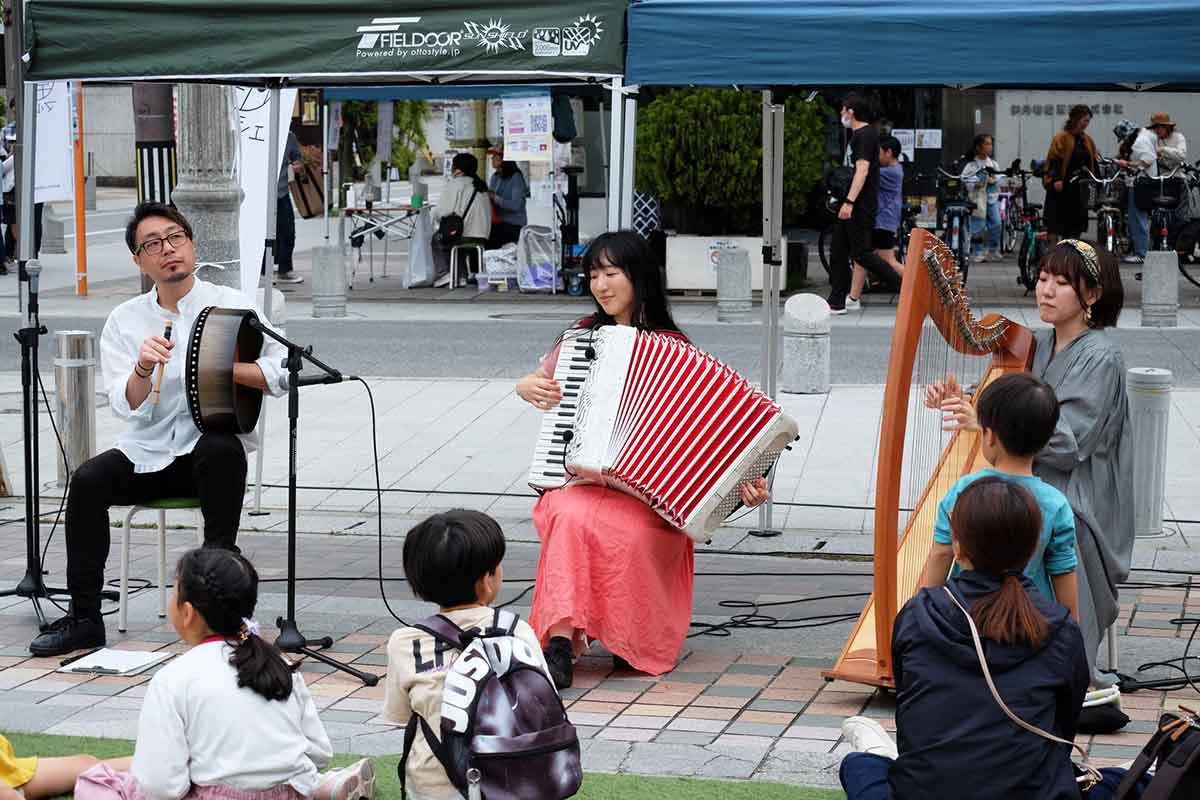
x: 501, y: 716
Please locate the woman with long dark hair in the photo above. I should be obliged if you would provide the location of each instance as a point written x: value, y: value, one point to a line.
x: 954, y: 738
x: 611, y: 568
x: 1070, y: 152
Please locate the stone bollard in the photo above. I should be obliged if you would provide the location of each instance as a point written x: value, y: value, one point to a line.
x: 733, y: 284
x: 805, y: 345
x: 1149, y: 392
x: 53, y: 233
x: 75, y: 390
x: 329, y: 281
x: 89, y: 193
x: 1160, y: 289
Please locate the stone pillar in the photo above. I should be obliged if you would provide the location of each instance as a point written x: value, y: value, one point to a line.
x: 207, y: 193
x: 1149, y: 392
x: 53, y: 233
x: 1160, y: 289
x: 733, y: 284
x: 329, y: 280
x: 805, y: 345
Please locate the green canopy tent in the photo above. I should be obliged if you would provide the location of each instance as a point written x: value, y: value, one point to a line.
x: 314, y: 43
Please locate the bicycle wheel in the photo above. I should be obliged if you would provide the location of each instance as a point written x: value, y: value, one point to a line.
x: 1106, y: 232
x: 1027, y: 258
x: 1187, y: 247
x: 823, y: 242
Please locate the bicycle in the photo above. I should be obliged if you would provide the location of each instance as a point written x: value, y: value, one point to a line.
x: 1010, y: 219
x: 1107, y: 205
x: 1162, y: 203
x: 956, y: 210
x: 1032, y: 244
x: 1187, y: 241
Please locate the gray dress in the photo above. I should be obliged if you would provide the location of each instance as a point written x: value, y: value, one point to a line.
x: 1089, y: 459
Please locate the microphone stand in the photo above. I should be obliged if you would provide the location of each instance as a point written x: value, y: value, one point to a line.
x: 290, y: 639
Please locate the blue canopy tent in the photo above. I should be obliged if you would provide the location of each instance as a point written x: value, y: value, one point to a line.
x: 1137, y: 44
x: 1133, y: 43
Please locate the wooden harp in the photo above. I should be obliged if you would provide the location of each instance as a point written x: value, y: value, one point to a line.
x: 932, y: 313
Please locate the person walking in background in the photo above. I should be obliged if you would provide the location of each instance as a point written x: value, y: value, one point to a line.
x: 1070, y: 151
x: 887, y: 218
x: 985, y: 193
x: 1142, y: 158
x: 285, y: 217
x: 856, y: 217
x: 507, y: 190
x: 1172, y: 145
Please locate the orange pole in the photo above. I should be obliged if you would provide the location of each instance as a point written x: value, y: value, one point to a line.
x: 80, y: 211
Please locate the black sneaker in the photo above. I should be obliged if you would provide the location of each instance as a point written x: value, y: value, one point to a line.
x: 559, y: 658
x: 67, y: 634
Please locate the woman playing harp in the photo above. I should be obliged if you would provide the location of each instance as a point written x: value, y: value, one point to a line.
x: 1088, y: 459
x: 933, y: 324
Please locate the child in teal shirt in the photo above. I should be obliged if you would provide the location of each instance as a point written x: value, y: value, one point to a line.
x: 1016, y: 417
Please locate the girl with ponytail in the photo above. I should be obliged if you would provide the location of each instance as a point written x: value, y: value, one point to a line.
x: 230, y: 719
x: 953, y: 738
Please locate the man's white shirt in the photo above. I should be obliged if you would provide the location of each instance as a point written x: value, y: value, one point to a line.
x: 158, y: 434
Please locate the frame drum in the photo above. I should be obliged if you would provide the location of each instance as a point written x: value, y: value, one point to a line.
x: 221, y: 337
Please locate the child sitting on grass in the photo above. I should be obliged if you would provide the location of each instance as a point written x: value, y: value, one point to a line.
x: 33, y: 778
x: 453, y: 560
x: 230, y: 719
x: 1017, y: 414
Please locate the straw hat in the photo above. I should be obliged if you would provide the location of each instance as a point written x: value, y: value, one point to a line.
x: 1161, y: 118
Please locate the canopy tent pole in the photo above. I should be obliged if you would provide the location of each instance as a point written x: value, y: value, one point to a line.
x: 268, y: 270
x: 772, y: 166
x: 627, y: 159
x: 325, y: 165
x: 616, y: 134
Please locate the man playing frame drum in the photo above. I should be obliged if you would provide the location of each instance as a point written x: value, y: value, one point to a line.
x: 162, y: 453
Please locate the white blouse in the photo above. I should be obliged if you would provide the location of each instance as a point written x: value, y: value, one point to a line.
x: 198, y: 727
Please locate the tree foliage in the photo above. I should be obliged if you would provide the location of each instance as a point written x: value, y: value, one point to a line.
x: 359, y: 125
x: 701, y: 150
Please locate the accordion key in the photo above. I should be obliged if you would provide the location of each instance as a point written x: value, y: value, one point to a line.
x: 653, y: 416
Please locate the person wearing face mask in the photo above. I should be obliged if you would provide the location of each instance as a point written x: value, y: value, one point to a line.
x: 1089, y: 456
x: 856, y: 217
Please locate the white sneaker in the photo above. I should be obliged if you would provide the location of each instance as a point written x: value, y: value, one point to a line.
x: 853, y: 305
x: 442, y: 281
x: 837, y: 312
x: 355, y: 782
x: 980, y: 258
x: 1132, y: 259
x: 865, y: 735
x: 288, y: 277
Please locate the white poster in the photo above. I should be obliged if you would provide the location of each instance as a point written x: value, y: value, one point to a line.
x: 527, y: 128
x: 55, y: 169
x: 907, y: 138
x: 252, y: 107
x: 929, y: 138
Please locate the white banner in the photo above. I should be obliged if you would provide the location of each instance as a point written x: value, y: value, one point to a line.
x: 54, y: 172
x: 252, y: 107
x: 527, y: 128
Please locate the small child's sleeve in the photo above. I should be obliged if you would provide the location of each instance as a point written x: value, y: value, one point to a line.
x: 160, y: 757
x: 941, y: 526
x: 397, y: 707
x: 319, y: 750
x: 1060, y: 551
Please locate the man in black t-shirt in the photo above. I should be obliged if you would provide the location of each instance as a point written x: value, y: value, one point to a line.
x: 856, y: 218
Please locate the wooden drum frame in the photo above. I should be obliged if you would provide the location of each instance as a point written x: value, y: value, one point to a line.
x: 220, y: 338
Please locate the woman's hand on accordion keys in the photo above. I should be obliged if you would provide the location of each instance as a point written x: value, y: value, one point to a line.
x: 755, y: 493
x: 539, y: 391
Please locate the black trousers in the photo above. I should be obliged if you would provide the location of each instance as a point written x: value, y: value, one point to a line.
x: 214, y: 472
x: 852, y: 241
x: 285, y: 233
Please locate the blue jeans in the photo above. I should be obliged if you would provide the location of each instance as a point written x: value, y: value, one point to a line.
x: 865, y: 777
x: 993, y: 225
x: 1139, y: 229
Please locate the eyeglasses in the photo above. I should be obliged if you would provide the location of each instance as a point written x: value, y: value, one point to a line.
x: 153, y: 247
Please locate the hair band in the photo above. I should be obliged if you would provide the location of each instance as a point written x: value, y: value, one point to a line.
x: 1090, y: 260
x: 250, y: 628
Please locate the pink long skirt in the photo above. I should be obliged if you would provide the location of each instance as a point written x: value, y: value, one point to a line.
x: 102, y: 782
x: 616, y: 571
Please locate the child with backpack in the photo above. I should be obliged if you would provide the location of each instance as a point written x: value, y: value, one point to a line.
x: 230, y: 719
x: 1016, y: 416
x: 471, y: 682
